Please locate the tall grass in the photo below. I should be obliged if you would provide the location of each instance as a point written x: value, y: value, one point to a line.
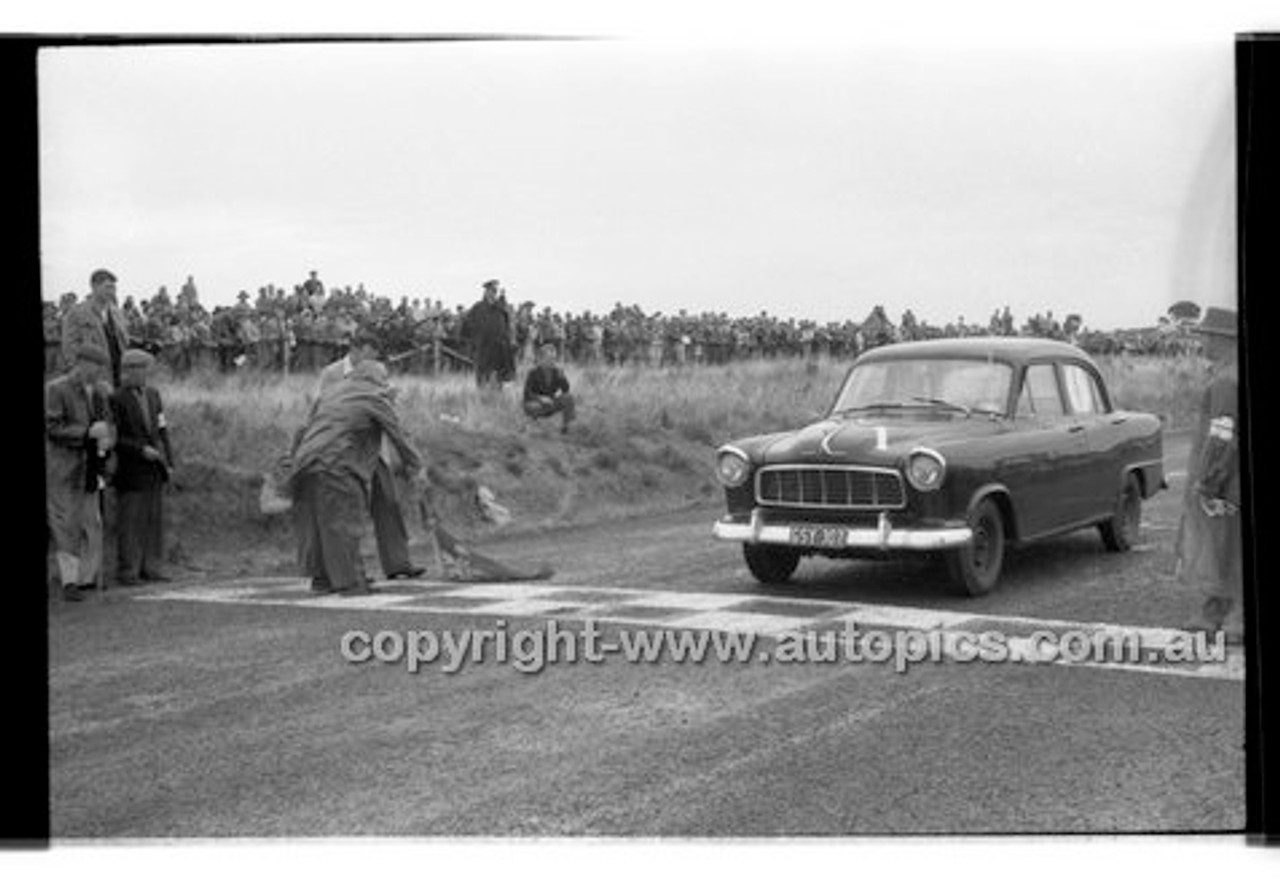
x: 245, y: 420
x: 1170, y: 387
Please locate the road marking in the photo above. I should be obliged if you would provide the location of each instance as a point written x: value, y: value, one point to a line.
x: 729, y: 612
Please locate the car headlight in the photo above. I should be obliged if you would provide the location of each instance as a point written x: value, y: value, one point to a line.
x: 732, y: 467
x: 925, y: 469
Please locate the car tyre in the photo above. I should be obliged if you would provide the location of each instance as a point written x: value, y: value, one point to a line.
x: 1121, y: 531
x: 770, y: 564
x: 975, y: 567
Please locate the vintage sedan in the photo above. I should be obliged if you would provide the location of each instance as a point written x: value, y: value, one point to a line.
x: 959, y: 447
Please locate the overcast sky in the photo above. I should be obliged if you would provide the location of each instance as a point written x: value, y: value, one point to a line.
x: 806, y: 181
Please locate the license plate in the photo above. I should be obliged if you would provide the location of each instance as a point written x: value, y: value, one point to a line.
x: 822, y: 536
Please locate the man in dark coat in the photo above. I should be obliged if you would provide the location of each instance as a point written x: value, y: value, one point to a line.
x: 389, y: 527
x: 144, y: 463
x: 487, y: 329
x: 1209, y: 548
x: 78, y: 440
x: 333, y: 468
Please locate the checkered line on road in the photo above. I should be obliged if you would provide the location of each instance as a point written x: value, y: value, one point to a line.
x: 768, y: 616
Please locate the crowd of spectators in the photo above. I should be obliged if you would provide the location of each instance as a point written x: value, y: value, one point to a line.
x: 308, y: 326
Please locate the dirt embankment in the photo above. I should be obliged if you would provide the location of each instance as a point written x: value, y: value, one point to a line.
x: 545, y: 479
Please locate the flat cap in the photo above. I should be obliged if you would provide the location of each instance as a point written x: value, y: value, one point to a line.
x: 136, y: 357
x: 93, y: 353
x: 1218, y: 321
x: 101, y: 275
x: 491, y: 283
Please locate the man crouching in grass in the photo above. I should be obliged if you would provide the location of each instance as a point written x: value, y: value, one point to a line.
x: 546, y: 390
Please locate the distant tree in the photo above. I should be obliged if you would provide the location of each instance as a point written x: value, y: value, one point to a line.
x: 1185, y: 310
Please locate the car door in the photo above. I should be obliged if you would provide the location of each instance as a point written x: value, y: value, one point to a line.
x: 1105, y: 433
x: 1045, y: 471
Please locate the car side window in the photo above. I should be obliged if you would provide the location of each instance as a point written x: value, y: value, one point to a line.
x: 1040, y: 398
x: 1082, y: 391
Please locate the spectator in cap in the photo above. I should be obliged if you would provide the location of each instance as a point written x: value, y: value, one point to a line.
x: 487, y: 329
x: 1209, y: 548
x: 98, y: 321
x: 145, y: 462
x: 389, y: 528
x: 78, y: 441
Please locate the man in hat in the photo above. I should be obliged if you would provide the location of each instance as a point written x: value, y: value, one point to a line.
x: 144, y: 464
x: 389, y: 528
x: 1209, y: 549
x: 333, y: 469
x: 99, y: 322
x: 79, y: 437
x: 487, y: 329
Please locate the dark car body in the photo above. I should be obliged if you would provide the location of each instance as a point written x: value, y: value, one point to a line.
x: 1009, y: 440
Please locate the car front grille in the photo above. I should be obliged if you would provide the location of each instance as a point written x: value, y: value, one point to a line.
x: 830, y: 487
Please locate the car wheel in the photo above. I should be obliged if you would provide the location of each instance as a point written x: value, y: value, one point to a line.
x: 770, y: 564
x: 1120, y: 532
x: 975, y: 567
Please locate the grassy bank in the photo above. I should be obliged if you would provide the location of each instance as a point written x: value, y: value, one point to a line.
x: 644, y: 441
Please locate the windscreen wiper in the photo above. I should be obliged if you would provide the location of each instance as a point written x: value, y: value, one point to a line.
x: 939, y: 402
x: 883, y: 405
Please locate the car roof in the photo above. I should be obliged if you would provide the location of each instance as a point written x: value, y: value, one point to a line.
x: 1008, y: 349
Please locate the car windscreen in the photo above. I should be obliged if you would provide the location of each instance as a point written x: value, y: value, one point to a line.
x: 969, y: 384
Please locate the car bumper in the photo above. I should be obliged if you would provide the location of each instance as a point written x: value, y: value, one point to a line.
x: 882, y: 536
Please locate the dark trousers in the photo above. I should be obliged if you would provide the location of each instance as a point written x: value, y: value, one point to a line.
x: 328, y: 514
x: 388, y: 522
x: 139, y: 533
x: 561, y: 403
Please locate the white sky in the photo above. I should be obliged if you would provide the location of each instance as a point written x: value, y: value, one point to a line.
x: 807, y: 179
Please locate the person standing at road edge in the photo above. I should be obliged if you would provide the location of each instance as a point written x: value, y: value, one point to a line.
x: 1209, y: 547
x: 144, y: 465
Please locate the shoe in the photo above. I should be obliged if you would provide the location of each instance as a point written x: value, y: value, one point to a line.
x: 156, y: 578
x: 72, y: 593
x: 356, y: 590
x: 128, y: 582
x: 320, y: 585
x: 406, y: 573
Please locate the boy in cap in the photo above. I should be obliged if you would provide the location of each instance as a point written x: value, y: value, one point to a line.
x: 1210, y: 554
x: 78, y: 439
x: 145, y: 461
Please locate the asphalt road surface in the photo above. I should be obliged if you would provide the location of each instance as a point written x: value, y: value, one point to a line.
x: 227, y: 708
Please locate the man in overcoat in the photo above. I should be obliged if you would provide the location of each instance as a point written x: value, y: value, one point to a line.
x: 487, y: 330
x: 390, y: 531
x: 332, y: 473
x: 1209, y: 548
